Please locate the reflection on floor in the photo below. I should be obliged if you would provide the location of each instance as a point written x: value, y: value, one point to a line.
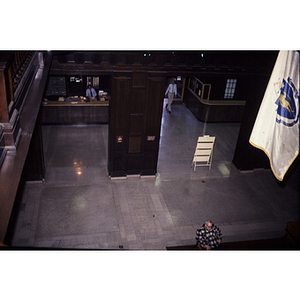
x: 79, y: 207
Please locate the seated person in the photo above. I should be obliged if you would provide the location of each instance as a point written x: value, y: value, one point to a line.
x: 209, y: 237
x: 91, y: 93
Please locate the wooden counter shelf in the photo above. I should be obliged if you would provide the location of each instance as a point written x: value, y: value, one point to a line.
x: 61, y: 112
x: 76, y: 103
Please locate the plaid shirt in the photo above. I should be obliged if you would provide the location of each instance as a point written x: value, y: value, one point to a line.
x: 209, y: 237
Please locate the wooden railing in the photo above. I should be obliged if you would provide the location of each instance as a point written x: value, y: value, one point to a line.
x: 17, y: 71
x: 199, y: 88
x: 2, y: 146
x: 20, y: 102
x: 14, y: 66
x: 20, y: 73
x: 197, y: 100
x: 19, y: 66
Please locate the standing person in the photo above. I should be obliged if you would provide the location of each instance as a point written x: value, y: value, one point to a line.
x: 171, y: 92
x: 209, y: 237
x: 91, y: 93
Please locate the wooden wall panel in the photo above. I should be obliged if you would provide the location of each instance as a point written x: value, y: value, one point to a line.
x: 139, y: 79
x: 133, y: 163
x: 60, y: 114
x: 121, y: 95
x: 119, y: 123
x: 136, y: 123
x: 3, y: 150
x: 135, y: 117
x: 247, y: 157
x: 34, y: 167
x: 134, y: 145
x: 136, y: 112
x: 213, y: 112
x: 156, y: 89
x: 137, y: 103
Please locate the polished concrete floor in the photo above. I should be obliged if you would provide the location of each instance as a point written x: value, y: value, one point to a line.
x: 80, y: 207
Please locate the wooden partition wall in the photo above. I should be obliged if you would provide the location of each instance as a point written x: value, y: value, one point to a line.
x: 214, y: 111
x: 135, y: 118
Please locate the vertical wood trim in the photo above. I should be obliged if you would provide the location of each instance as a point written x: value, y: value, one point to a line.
x: 183, y: 88
x: 4, y: 116
x: 10, y: 86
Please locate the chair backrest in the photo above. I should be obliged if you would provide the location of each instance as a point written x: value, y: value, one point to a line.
x: 206, y: 139
x: 205, y: 142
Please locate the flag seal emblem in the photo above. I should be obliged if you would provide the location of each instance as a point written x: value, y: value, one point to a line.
x: 287, y: 111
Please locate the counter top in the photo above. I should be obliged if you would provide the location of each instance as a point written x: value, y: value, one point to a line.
x: 75, y: 103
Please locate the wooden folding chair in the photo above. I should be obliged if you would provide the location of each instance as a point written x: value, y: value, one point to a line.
x: 203, y: 152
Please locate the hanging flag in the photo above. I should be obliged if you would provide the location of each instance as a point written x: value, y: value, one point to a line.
x: 276, y: 129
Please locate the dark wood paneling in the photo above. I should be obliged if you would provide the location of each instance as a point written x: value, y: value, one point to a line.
x: 75, y: 88
x: 134, y: 145
x: 136, y: 123
x: 121, y: 95
x: 4, y: 112
x: 247, y: 157
x: 156, y: 89
x: 206, y: 62
x: 22, y: 67
x: 10, y: 175
x: 133, y: 164
x: 156, y: 82
x: 136, y: 110
x: 2, y: 147
x: 118, y: 163
x: 69, y: 114
x: 222, y: 111
x: 119, y: 123
x: 139, y: 79
x: 137, y: 103
x: 34, y: 168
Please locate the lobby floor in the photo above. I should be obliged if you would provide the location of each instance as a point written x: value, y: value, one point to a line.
x: 80, y: 207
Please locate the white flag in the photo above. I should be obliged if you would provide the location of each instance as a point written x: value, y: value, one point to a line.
x: 276, y: 129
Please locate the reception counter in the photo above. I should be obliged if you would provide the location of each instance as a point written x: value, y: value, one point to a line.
x: 74, y: 112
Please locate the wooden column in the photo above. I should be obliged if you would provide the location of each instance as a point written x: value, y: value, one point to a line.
x: 118, y: 126
x: 155, y: 98
x: 9, y: 116
x: 4, y: 118
x: 5, y: 60
x: 247, y: 157
x: 34, y: 168
x: 135, y: 118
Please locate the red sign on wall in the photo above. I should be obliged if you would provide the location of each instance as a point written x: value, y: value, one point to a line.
x: 119, y: 139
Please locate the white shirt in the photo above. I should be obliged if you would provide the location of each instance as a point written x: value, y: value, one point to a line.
x: 172, y: 88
